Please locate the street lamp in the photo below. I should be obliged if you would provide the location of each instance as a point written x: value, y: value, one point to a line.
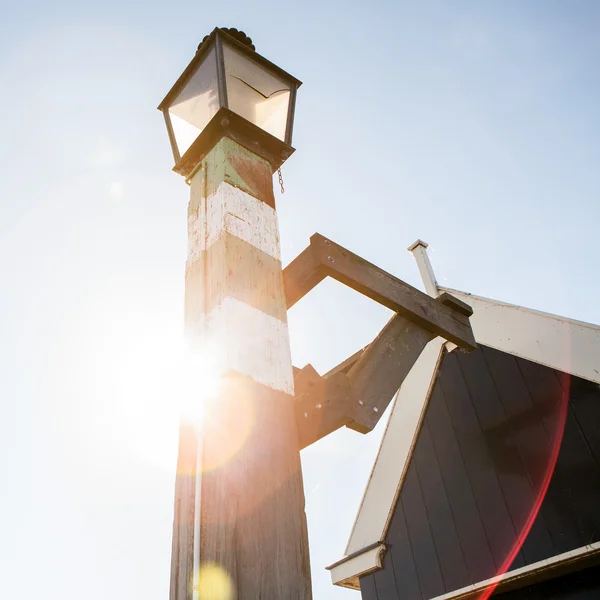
x: 228, y: 90
x: 240, y: 513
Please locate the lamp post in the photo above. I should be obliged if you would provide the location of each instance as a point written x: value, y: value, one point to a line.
x: 239, y: 526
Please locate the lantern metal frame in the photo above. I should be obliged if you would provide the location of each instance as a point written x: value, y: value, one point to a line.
x: 227, y: 123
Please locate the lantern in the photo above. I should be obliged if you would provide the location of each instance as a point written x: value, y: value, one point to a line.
x: 228, y: 90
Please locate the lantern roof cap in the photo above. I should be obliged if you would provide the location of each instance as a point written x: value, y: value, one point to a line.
x: 240, y: 36
x: 234, y: 37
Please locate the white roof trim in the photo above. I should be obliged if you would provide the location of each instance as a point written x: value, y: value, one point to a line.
x: 538, y: 571
x: 563, y: 344
x: 347, y: 571
x: 401, y: 433
x: 557, y: 342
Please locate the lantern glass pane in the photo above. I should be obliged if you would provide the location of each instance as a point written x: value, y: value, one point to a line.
x: 196, y: 104
x: 256, y: 93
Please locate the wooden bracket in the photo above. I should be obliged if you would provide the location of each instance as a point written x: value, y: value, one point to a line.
x: 357, y: 392
x: 445, y: 316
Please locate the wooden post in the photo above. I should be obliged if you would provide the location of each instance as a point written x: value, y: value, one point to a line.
x: 251, y: 540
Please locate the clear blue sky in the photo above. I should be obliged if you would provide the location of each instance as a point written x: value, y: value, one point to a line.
x: 473, y: 125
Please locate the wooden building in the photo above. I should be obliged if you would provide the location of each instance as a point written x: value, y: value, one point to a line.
x: 487, y: 481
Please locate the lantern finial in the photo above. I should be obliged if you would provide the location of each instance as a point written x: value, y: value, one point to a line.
x: 240, y: 36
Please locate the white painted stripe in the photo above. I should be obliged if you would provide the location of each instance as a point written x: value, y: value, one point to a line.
x: 195, y: 236
x: 564, y: 344
x: 540, y: 570
x: 249, y: 341
x: 346, y: 573
x: 234, y: 211
x: 401, y: 433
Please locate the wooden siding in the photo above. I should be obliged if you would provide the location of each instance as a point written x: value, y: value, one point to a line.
x: 481, y: 468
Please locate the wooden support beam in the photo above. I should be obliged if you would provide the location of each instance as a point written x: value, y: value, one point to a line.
x: 301, y: 276
x: 305, y: 379
x: 325, y: 407
x: 381, y: 369
x: 402, y: 298
x: 456, y: 304
x: 356, y: 392
x: 326, y: 258
x: 347, y: 364
x: 323, y: 403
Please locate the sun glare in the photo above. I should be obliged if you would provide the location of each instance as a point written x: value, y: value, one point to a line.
x: 183, y: 380
x: 195, y: 380
x: 127, y: 380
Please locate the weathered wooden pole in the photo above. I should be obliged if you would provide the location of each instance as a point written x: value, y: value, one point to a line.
x: 240, y: 526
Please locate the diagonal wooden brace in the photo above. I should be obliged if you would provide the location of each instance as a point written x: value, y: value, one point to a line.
x: 380, y: 371
x: 325, y: 407
x: 357, y: 392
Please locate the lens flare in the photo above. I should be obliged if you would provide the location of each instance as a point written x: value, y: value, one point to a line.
x: 213, y: 583
x: 556, y: 435
x: 227, y: 424
x: 197, y: 382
